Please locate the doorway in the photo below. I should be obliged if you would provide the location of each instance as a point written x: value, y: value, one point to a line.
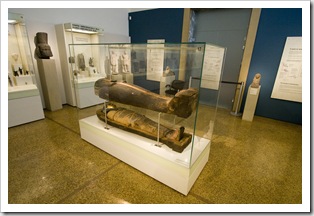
x: 226, y: 27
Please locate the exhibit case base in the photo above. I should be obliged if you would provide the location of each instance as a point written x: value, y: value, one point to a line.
x: 84, y: 90
x: 164, y: 134
x: 24, y: 105
x: 161, y: 163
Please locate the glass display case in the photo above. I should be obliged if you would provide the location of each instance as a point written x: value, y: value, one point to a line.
x: 23, y: 93
x: 158, y: 105
x: 80, y: 93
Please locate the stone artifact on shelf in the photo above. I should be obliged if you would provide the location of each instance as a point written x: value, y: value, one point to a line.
x: 181, y: 105
x: 125, y: 63
x: 91, y: 62
x: 81, y: 61
x: 113, y: 63
x: 256, y: 80
x: 43, y: 50
x: 92, y: 69
x: 17, y: 66
x: 10, y: 81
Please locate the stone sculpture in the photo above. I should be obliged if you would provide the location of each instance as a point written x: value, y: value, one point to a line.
x: 125, y: 63
x: 81, y: 61
x: 17, y: 67
x: 42, y: 50
x: 113, y: 63
x: 168, y: 72
x: 91, y: 62
x: 256, y: 80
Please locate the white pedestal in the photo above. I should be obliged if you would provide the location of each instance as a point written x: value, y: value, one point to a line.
x: 250, y: 104
x: 23, y: 80
x: 92, y: 71
x: 171, y: 168
x: 163, y: 82
x: 24, y: 105
x: 49, y: 83
x: 128, y: 77
x: 117, y: 77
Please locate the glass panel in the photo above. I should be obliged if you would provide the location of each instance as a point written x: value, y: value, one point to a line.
x: 21, y: 74
x: 151, y: 95
x: 80, y: 67
x: 209, y: 84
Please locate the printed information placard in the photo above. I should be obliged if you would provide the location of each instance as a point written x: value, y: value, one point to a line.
x: 288, y: 83
x: 212, y: 67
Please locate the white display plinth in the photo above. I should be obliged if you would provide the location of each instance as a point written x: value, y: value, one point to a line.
x: 117, y: 77
x: 128, y: 77
x: 50, y: 84
x: 169, y: 167
x: 23, y: 80
x: 85, y: 93
x: 24, y: 105
x: 250, y: 103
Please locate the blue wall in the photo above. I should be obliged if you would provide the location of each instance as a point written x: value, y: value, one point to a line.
x: 274, y: 27
x: 165, y: 23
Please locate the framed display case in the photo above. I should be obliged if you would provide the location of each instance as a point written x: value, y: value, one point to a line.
x: 24, y: 99
x: 79, y: 92
x: 156, y: 113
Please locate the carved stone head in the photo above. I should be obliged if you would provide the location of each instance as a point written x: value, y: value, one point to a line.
x: 43, y: 50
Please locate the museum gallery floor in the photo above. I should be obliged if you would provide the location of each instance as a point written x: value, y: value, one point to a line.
x: 249, y: 162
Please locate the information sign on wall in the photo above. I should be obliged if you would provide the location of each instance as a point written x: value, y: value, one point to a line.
x: 212, y: 67
x: 288, y: 83
x: 155, y: 59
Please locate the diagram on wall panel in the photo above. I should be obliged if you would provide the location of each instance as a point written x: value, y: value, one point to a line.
x: 155, y: 59
x: 288, y: 83
x: 212, y: 67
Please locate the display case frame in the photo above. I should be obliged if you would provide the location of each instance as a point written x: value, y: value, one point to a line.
x: 80, y: 93
x: 137, y: 103
x: 24, y: 103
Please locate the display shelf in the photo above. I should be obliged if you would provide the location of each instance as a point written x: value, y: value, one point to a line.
x: 69, y: 33
x: 22, y: 91
x: 24, y: 105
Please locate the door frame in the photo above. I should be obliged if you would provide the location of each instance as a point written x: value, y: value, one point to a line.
x: 247, y: 53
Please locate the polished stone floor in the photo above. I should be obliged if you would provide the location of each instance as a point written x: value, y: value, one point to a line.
x: 257, y: 162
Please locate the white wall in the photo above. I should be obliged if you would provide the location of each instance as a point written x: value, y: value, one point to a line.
x: 113, y: 20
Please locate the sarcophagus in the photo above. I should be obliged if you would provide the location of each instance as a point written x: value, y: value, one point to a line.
x: 181, y: 105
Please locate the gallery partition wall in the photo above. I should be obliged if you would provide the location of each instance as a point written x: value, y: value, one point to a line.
x: 275, y: 26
